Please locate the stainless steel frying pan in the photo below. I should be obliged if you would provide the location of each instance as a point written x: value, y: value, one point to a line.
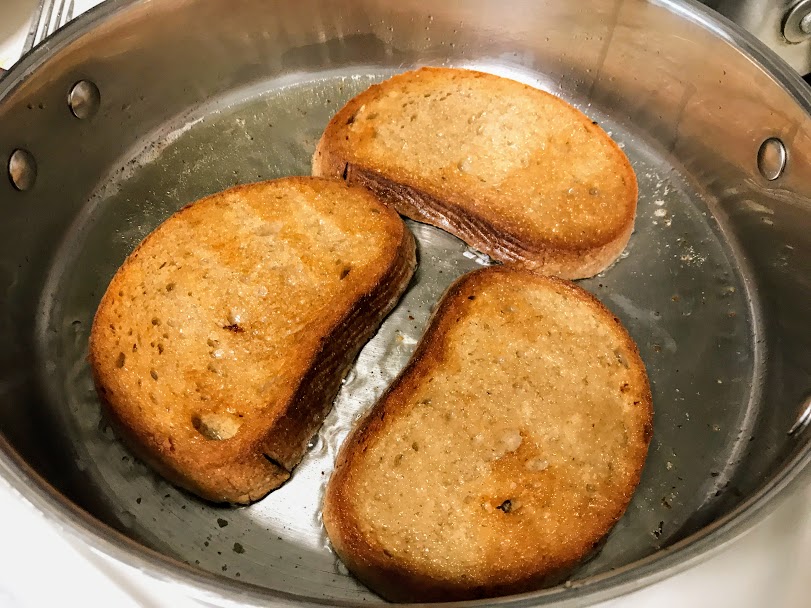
x: 140, y: 107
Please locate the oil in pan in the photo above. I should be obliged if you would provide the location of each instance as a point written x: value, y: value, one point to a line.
x: 677, y: 288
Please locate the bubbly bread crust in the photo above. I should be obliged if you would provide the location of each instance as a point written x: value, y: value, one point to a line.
x: 514, y: 171
x: 221, y: 341
x: 503, y: 453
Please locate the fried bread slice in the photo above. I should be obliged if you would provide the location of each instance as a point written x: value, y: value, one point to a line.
x: 503, y: 453
x: 512, y: 170
x: 221, y: 342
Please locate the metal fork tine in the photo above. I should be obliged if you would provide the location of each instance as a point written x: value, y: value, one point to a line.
x: 59, y: 12
x: 47, y: 23
x: 67, y: 13
x: 36, y: 23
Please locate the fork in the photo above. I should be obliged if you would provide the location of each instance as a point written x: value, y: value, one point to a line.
x: 47, y: 20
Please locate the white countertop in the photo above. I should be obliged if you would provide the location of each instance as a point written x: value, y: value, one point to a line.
x: 39, y: 566
x: 770, y: 567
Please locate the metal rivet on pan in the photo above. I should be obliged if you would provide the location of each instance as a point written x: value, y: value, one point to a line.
x: 797, y: 22
x: 804, y: 418
x: 22, y: 169
x: 84, y: 99
x: 771, y: 158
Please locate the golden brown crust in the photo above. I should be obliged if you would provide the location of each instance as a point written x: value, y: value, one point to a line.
x: 447, y: 205
x: 399, y: 578
x: 574, y: 262
x: 275, y: 422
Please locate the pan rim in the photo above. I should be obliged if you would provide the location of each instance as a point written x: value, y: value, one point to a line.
x: 61, y: 512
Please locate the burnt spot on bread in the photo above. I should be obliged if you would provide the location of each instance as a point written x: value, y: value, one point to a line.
x: 234, y: 328
x: 506, y: 506
x: 351, y: 119
x: 345, y: 272
x: 345, y: 171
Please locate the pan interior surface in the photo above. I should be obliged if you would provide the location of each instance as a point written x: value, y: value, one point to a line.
x: 681, y: 288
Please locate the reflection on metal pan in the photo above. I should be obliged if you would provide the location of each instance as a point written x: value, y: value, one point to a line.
x: 194, y: 97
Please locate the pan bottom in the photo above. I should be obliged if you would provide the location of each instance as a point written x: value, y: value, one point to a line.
x: 679, y: 289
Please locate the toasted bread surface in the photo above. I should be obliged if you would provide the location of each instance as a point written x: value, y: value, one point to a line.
x: 221, y: 341
x: 512, y: 170
x: 507, y: 448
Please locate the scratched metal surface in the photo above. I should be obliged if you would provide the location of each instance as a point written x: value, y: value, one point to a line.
x: 677, y: 288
